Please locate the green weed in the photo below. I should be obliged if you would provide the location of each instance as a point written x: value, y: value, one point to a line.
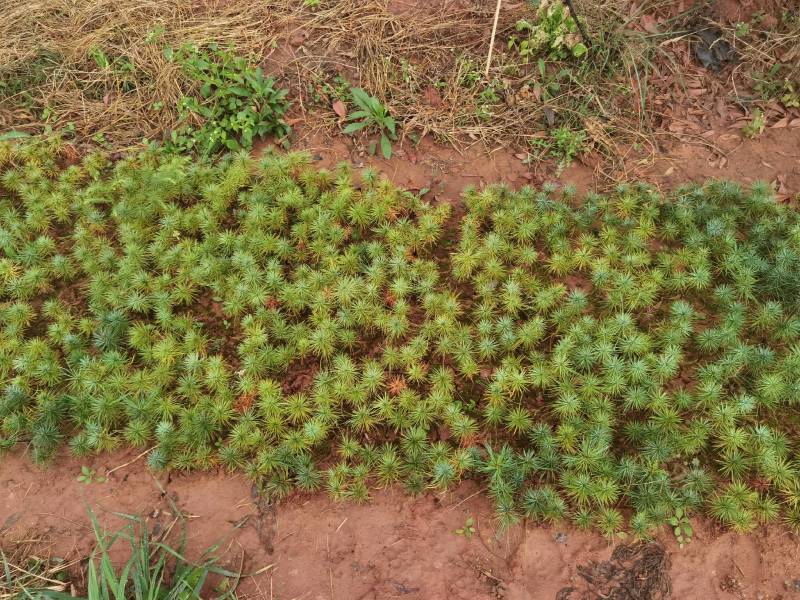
x: 236, y: 102
x: 372, y: 114
x: 89, y: 476
x: 561, y: 144
x: 681, y: 527
x: 468, y: 530
x: 756, y: 125
x: 552, y: 34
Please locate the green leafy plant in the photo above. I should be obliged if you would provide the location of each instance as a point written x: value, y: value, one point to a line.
x: 562, y: 144
x: 776, y: 84
x: 120, y: 66
x: 235, y: 102
x: 89, y: 476
x: 553, y: 33
x: 372, y: 114
x: 756, y: 125
x: 681, y: 526
x: 468, y: 530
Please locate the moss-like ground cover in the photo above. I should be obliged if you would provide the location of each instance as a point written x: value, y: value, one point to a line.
x: 609, y: 361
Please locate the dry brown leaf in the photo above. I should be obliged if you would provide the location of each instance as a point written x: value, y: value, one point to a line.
x: 340, y: 109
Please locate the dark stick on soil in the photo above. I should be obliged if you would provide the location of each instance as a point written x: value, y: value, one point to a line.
x: 575, y: 18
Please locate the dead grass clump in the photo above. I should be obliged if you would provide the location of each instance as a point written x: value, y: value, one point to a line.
x: 769, y: 55
x: 24, y: 568
x: 98, y: 67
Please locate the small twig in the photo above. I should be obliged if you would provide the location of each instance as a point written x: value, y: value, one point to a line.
x: 457, y: 504
x: 575, y: 18
x: 494, y: 34
x: 130, y: 462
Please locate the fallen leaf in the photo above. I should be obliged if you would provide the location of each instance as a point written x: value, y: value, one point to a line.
x: 340, y: 109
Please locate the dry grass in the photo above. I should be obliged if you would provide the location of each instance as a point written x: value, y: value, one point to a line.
x: 423, y: 59
x: 764, y: 47
x: 62, y: 35
x: 23, y: 568
x: 424, y: 62
x: 428, y: 66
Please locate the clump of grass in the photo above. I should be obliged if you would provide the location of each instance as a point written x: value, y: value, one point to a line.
x: 152, y: 569
x: 628, y: 352
x: 24, y: 570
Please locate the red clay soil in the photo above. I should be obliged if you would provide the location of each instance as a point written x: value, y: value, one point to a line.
x: 773, y: 157
x: 394, y: 546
